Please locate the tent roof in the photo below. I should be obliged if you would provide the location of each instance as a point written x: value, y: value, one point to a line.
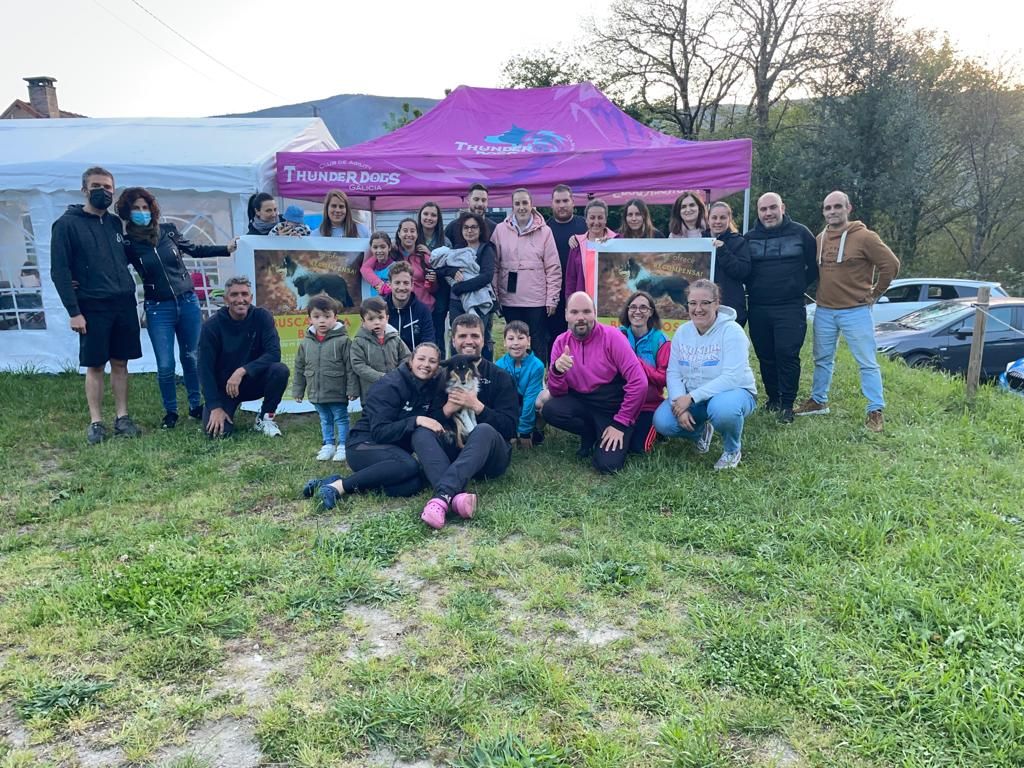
x: 534, y: 137
x: 204, y: 154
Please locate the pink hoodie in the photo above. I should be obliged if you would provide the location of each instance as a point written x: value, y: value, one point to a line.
x: 597, y: 360
x: 533, y: 256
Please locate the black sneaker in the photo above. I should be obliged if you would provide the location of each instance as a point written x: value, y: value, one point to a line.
x: 538, y: 437
x: 785, y: 416
x: 125, y: 427
x: 773, y: 406
x: 585, y: 451
x: 170, y: 420
x: 96, y: 433
x: 196, y: 413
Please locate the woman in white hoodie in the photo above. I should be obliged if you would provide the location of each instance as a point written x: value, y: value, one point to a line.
x: 710, y: 382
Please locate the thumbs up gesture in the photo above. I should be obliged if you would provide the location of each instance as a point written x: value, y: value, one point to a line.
x: 563, y: 363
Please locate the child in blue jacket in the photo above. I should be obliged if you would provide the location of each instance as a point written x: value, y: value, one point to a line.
x: 527, y: 371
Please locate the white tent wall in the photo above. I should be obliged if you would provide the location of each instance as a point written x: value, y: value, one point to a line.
x: 201, y: 171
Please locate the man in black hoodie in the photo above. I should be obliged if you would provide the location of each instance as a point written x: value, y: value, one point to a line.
x: 406, y: 312
x: 240, y: 360
x: 89, y: 268
x: 783, y: 266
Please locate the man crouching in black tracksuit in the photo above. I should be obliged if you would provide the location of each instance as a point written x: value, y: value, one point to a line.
x: 487, y: 452
x: 783, y: 265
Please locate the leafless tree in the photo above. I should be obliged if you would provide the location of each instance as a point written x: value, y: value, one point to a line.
x: 675, y: 56
x: 780, y: 43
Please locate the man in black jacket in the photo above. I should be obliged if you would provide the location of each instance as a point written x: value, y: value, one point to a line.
x: 564, y: 223
x: 783, y: 266
x: 488, y: 451
x: 239, y: 360
x: 90, y: 271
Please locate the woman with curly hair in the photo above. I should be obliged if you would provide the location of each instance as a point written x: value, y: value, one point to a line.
x: 172, y: 308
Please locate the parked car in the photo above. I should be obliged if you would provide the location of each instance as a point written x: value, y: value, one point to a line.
x: 939, y: 336
x: 908, y: 294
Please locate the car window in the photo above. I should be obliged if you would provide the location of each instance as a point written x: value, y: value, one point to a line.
x: 967, y: 291
x: 908, y: 292
x: 995, y: 324
x: 933, y: 315
x: 941, y: 292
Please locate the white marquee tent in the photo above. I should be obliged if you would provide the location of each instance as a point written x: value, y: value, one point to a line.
x: 201, y: 170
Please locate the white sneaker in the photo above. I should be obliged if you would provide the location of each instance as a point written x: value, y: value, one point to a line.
x: 704, y: 441
x: 729, y: 460
x: 267, y: 426
x: 326, y: 452
x: 339, y: 455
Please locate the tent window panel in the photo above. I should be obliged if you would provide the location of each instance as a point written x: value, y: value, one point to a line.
x: 21, y: 295
x: 202, y: 219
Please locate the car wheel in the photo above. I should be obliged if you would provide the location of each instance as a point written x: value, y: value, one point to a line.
x: 922, y: 360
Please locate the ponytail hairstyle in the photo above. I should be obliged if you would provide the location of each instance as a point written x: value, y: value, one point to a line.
x: 256, y: 202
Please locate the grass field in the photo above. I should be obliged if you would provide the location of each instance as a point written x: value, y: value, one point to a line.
x: 842, y: 599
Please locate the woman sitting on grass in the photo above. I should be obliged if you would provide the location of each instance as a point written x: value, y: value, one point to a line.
x: 710, y: 383
x: 379, y: 446
x: 640, y: 322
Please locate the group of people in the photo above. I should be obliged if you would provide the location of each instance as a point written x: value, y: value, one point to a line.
x: 561, y: 368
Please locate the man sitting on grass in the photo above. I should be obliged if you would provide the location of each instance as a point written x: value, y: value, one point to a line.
x: 239, y: 360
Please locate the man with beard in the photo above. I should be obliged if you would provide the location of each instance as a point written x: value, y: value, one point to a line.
x: 563, y: 223
x: 783, y: 265
x: 90, y: 271
x: 487, y: 451
x: 597, y: 386
x: 476, y: 202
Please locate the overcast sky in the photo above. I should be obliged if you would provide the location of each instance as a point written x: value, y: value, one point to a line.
x: 112, y: 59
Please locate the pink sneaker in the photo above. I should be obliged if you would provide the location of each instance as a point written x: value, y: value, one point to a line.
x: 464, y: 505
x: 434, y: 513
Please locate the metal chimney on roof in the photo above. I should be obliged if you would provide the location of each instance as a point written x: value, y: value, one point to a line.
x: 43, y: 96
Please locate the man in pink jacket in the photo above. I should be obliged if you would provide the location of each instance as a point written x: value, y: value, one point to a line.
x: 527, y: 271
x: 597, y: 386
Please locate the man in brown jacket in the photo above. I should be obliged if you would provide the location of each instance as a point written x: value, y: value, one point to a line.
x: 849, y: 255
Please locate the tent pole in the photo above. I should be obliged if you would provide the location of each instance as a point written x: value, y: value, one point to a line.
x: 373, y: 224
x: 746, y: 210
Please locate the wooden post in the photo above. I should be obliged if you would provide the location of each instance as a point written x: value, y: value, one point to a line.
x: 977, y: 343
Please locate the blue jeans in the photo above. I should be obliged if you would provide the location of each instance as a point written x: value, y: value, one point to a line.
x: 858, y: 329
x: 333, y: 422
x: 726, y: 410
x: 166, y: 320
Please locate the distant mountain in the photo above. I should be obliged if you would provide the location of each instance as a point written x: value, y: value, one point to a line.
x: 351, y: 118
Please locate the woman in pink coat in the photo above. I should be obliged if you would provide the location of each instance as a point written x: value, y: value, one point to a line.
x: 576, y: 271
x: 527, y: 272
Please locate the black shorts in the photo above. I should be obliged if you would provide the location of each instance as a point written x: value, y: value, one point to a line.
x: 111, y: 332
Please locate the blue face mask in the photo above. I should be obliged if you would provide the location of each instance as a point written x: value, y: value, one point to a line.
x: 141, y: 218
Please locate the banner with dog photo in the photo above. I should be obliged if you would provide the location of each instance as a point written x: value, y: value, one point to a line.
x: 662, y: 267
x: 287, y: 271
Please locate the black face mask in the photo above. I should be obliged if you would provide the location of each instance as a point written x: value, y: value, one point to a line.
x: 100, y: 199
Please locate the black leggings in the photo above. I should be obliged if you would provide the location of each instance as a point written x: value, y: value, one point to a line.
x: 387, y: 467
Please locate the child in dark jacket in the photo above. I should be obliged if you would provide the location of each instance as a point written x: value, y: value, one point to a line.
x: 377, y: 348
x: 323, y: 371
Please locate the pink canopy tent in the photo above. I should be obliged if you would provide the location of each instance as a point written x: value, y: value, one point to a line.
x: 534, y: 138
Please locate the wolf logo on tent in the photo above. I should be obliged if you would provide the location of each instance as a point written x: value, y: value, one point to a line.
x: 536, y: 141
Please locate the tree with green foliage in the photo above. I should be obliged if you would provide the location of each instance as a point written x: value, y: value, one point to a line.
x: 397, y: 120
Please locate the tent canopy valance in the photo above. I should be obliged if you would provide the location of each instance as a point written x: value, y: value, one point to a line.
x: 534, y: 138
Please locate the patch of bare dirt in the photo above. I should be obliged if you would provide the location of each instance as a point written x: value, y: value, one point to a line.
x: 378, y: 634
x: 429, y: 594
x: 225, y: 743
x: 772, y: 752
x: 248, y: 669
x: 384, y: 758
